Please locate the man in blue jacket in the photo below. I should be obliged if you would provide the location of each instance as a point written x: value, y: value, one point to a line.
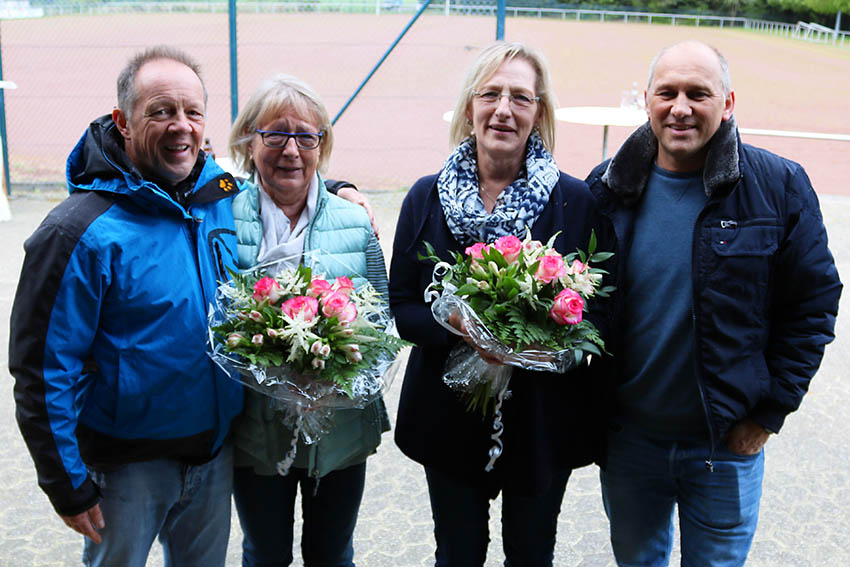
x: 727, y: 296
x: 125, y: 416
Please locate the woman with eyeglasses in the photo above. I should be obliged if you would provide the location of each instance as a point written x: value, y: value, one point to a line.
x: 500, y: 179
x: 282, y: 137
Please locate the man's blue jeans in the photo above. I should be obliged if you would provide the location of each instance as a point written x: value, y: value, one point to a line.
x: 188, y: 507
x: 266, y: 507
x: 461, y: 522
x: 645, y: 479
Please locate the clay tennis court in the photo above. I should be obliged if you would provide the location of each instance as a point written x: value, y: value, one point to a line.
x: 393, y: 133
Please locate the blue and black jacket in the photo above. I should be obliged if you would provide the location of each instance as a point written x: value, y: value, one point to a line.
x: 108, y: 328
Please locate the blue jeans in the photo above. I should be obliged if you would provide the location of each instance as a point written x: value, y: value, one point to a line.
x: 188, y: 507
x: 461, y: 521
x: 718, y: 511
x: 266, y: 507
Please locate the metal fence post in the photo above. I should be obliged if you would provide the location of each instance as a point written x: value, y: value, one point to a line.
x: 234, y: 75
x: 500, y: 20
x: 422, y: 8
x: 5, y: 145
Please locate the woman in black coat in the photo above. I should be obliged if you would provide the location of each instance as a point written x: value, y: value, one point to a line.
x: 500, y: 179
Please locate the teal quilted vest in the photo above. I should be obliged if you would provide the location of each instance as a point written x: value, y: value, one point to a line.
x: 338, y: 235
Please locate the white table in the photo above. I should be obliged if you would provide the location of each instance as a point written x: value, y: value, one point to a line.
x: 602, y: 116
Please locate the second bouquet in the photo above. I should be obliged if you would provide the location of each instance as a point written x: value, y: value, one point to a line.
x: 518, y: 303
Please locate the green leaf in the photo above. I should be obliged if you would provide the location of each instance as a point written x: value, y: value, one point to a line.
x: 591, y: 246
x: 467, y: 289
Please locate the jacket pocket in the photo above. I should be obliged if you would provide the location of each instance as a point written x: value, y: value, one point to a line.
x: 736, y: 278
x: 743, y: 256
x: 752, y: 238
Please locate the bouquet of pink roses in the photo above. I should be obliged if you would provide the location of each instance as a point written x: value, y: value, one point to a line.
x: 523, y: 304
x: 311, y: 344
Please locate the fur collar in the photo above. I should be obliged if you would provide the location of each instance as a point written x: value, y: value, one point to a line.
x: 628, y: 171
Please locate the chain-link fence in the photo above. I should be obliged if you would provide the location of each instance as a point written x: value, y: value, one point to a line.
x: 66, y: 62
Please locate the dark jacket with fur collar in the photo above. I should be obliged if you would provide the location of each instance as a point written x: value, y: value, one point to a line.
x: 765, y: 285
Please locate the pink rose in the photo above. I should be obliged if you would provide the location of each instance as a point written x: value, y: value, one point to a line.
x: 510, y: 247
x: 302, y: 305
x: 344, y: 285
x: 267, y: 288
x: 257, y: 339
x: 336, y: 304
x: 577, y: 267
x: 318, y: 288
x: 567, y: 309
x: 533, y: 246
x: 551, y: 267
x: 476, y: 250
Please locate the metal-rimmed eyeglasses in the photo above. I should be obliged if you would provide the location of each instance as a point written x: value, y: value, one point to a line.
x: 278, y: 140
x: 516, y: 100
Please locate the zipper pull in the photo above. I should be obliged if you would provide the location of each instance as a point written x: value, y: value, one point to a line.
x: 728, y: 224
x: 709, y: 466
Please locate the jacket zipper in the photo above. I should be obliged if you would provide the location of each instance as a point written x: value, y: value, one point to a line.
x: 727, y: 224
x: 697, y: 234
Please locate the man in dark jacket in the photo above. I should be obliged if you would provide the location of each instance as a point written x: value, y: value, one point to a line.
x: 125, y: 416
x: 727, y: 296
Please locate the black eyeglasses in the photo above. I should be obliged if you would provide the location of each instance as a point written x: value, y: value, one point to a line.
x: 516, y: 100
x: 278, y: 140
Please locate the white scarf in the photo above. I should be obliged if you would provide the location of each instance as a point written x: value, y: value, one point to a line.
x: 283, y: 246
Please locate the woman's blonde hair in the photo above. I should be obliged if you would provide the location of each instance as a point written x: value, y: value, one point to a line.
x: 274, y: 97
x: 487, y: 62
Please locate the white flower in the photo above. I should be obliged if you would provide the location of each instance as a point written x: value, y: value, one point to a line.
x: 584, y: 284
x: 525, y: 283
x: 299, y: 334
x: 234, y: 339
x: 354, y: 357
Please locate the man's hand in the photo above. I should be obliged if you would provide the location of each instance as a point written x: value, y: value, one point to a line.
x: 356, y: 197
x: 87, y: 523
x: 746, y: 437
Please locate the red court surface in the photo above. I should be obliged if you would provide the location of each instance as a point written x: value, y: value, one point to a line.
x: 393, y: 132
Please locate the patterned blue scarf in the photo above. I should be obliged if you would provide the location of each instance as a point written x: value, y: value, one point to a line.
x: 517, y: 207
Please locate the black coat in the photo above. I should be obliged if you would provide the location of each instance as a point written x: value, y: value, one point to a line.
x: 553, y: 422
x: 766, y: 288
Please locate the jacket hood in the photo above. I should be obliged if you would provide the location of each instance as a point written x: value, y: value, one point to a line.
x: 99, y: 159
x: 98, y: 155
x: 99, y: 163
x: 628, y: 171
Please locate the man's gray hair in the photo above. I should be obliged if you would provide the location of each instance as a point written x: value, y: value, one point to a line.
x: 725, y: 79
x: 127, y: 95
